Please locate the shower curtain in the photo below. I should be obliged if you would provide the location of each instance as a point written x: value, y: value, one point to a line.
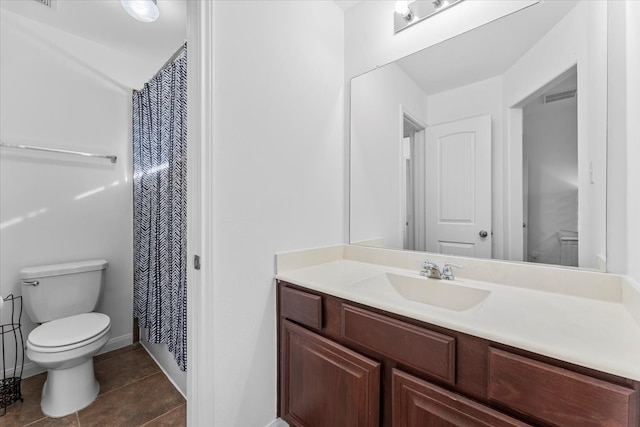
x: 160, y: 207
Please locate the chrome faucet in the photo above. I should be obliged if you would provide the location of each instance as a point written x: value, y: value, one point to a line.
x: 432, y: 271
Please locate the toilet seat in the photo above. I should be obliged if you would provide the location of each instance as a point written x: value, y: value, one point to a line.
x: 69, y: 333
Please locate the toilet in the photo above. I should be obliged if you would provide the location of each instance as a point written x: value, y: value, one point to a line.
x: 61, y: 298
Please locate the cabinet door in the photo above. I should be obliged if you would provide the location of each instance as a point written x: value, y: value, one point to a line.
x: 417, y: 403
x: 325, y: 384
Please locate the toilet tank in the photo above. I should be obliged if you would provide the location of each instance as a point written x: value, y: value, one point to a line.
x: 50, y: 292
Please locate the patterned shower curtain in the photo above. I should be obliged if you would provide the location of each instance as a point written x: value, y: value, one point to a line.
x: 160, y: 207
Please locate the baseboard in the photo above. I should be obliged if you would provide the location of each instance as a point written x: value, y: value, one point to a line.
x: 30, y: 369
x: 164, y: 371
x: 117, y: 342
x: 278, y: 422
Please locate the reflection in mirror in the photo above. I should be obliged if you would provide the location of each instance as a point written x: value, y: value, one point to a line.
x: 491, y: 144
x: 550, y: 175
x: 408, y: 13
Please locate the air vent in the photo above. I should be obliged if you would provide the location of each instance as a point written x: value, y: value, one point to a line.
x: 48, y: 3
x: 560, y: 96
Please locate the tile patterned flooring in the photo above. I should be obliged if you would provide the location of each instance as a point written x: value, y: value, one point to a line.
x: 133, y: 392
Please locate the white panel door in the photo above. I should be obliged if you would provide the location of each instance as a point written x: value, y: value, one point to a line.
x: 458, y: 187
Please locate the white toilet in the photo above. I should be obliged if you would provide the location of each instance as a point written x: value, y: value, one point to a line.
x: 62, y: 298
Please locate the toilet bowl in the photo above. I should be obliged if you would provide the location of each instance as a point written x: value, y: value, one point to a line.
x: 62, y: 299
x: 65, y: 347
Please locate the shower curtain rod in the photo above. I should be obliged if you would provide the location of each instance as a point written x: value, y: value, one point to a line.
x: 169, y: 61
x: 57, y: 150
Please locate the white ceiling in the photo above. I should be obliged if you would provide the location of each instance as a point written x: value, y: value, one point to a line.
x: 476, y: 55
x: 347, y: 4
x: 484, y: 52
x: 106, y: 23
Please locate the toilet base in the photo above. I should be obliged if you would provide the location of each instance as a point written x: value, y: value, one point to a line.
x: 69, y: 390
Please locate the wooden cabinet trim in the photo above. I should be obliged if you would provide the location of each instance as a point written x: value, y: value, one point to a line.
x: 426, y: 351
x: 301, y: 307
x: 417, y: 402
x: 558, y: 396
x: 350, y: 386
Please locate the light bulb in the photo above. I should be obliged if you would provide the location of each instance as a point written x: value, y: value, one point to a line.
x: 142, y: 10
x: 402, y: 7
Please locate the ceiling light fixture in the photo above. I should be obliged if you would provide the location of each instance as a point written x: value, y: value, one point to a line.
x: 142, y: 10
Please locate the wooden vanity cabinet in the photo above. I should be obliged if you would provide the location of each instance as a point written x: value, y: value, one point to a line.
x: 345, y: 364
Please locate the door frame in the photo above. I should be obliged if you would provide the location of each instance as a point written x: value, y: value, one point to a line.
x: 405, y: 114
x: 514, y: 206
x: 200, y: 307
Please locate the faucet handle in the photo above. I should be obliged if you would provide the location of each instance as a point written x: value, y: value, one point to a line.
x: 451, y: 264
x: 447, y: 270
x: 426, y: 264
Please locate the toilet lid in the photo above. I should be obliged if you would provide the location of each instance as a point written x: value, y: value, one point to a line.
x: 69, y: 330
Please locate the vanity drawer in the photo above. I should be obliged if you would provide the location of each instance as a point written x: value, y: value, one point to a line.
x: 418, y: 403
x: 557, y: 396
x: 301, y: 307
x: 427, y: 351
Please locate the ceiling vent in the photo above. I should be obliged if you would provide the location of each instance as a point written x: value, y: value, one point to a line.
x: 559, y: 96
x: 48, y: 3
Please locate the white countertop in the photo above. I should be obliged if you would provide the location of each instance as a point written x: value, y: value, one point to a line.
x: 596, y: 332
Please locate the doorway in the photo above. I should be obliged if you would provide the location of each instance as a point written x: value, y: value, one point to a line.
x: 550, y: 174
x: 413, y: 183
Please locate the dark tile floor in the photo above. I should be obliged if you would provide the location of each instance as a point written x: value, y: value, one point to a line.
x: 133, y: 392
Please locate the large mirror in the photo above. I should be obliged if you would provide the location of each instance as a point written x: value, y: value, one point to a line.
x: 491, y: 144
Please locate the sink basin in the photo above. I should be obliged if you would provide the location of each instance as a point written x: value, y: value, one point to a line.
x: 438, y: 293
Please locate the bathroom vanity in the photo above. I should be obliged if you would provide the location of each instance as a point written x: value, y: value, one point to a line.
x: 366, y: 342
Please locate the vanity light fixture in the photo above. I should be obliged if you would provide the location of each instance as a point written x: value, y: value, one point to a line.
x: 142, y: 10
x: 441, y: 3
x: 408, y: 13
x: 403, y: 9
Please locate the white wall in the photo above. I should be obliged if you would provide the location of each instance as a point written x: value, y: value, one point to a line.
x: 623, y: 208
x: 484, y: 97
x: 376, y: 134
x: 617, y: 144
x: 278, y: 180
x: 633, y: 135
x: 59, y: 208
